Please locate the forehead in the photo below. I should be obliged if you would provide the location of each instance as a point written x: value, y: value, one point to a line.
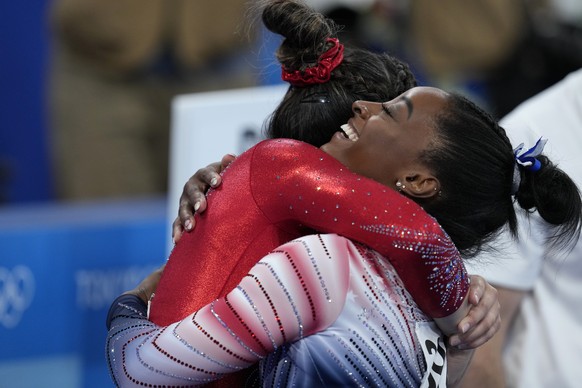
x: 421, y: 103
x: 426, y: 94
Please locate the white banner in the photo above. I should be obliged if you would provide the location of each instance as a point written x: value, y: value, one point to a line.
x: 206, y: 126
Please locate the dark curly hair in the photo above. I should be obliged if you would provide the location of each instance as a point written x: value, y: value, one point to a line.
x: 474, y: 163
x: 362, y: 75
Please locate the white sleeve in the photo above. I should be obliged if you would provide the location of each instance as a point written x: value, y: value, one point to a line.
x: 297, y: 290
x: 513, y: 264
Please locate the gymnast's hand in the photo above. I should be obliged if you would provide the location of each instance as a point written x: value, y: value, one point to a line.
x: 193, y: 198
x: 483, y: 319
x: 148, y: 286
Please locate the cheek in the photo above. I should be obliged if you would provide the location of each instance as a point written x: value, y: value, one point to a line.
x: 371, y: 161
x: 381, y: 148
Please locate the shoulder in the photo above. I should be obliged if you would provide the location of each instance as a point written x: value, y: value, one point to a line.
x: 312, y: 273
x: 290, y: 146
x: 287, y: 149
x: 318, y: 258
x: 281, y: 154
x: 325, y: 250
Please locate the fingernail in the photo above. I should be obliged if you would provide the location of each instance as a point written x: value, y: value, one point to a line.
x: 213, y: 181
x: 196, y: 207
x: 188, y: 224
x: 465, y: 327
x: 454, y: 341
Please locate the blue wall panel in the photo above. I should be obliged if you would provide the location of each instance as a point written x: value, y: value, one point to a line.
x: 24, y: 48
x: 60, y: 268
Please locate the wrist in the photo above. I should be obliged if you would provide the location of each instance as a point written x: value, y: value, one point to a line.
x: 448, y: 324
x: 123, y: 304
x: 458, y: 361
x: 141, y: 293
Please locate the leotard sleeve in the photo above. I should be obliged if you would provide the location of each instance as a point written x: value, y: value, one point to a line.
x: 298, y: 289
x: 291, y: 180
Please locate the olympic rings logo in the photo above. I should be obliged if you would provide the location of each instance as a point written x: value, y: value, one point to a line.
x: 17, y: 288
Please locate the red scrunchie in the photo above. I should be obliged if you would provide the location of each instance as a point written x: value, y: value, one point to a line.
x: 321, y: 72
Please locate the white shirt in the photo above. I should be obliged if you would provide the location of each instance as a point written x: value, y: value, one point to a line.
x: 544, y: 346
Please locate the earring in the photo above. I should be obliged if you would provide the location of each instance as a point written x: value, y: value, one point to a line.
x: 400, y: 186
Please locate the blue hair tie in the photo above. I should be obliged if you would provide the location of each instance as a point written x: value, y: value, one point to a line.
x: 528, y: 160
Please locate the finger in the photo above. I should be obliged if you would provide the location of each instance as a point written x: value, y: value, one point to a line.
x: 478, y: 337
x: 476, y: 311
x: 464, y: 341
x: 482, y: 296
x: 190, y: 202
x: 193, y: 197
x: 177, y: 230
x: 226, y: 160
x: 194, y: 193
x: 482, y: 331
x: 186, y: 217
x: 477, y: 289
x: 479, y: 318
x: 208, y: 176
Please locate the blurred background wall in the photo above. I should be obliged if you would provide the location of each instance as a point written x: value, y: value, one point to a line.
x: 499, y: 52
x: 25, y: 172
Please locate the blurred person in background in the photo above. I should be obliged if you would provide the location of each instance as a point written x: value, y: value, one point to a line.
x: 116, y: 66
x: 540, y: 340
x: 499, y: 52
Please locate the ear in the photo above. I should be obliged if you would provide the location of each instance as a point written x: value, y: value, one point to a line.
x: 420, y: 185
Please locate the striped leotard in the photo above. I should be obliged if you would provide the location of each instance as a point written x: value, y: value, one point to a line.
x: 317, y: 311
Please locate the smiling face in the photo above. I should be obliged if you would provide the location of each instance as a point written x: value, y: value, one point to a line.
x: 390, y: 137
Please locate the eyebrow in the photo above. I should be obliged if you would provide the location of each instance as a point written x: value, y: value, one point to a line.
x: 408, y: 105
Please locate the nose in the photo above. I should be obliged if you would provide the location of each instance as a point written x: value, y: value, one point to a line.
x: 360, y: 109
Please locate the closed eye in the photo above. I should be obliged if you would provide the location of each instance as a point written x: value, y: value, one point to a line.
x: 387, y: 110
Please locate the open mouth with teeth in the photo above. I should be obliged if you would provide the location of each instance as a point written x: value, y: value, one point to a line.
x: 350, y: 132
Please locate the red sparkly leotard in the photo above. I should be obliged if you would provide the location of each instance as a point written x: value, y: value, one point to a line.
x: 282, y: 189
